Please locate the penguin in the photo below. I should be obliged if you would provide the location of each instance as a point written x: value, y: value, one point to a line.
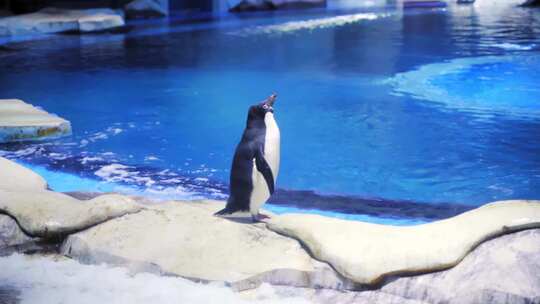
x: 255, y: 164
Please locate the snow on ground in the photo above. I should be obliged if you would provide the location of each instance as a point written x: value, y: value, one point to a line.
x: 53, y: 280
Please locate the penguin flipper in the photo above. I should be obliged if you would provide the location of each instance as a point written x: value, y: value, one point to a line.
x: 264, y: 168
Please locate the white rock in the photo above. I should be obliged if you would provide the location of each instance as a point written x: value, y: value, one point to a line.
x: 50, y: 214
x: 21, y: 121
x: 10, y: 233
x: 14, y: 177
x: 504, y: 270
x: 324, y: 296
x: 50, y: 279
x: 184, y: 238
x: 99, y: 22
x: 147, y: 8
x: 365, y: 252
x: 53, y: 20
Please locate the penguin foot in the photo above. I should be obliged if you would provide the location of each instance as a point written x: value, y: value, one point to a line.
x: 222, y: 213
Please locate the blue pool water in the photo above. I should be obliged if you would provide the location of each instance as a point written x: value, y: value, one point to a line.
x: 417, y: 114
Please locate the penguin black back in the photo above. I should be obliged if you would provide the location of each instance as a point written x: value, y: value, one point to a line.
x: 249, y: 156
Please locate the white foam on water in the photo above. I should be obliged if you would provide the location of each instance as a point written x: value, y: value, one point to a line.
x: 98, y: 136
x: 168, y: 188
x: 102, y: 135
x: 83, y: 143
x: 48, y: 280
x: 114, y: 130
x: 114, y: 173
x: 146, y: 185
x: 22, y: 152
x: 514, y: 47
x: 65, y: 182
x: 89, y: 159
x: 311, y: 24
x: 58, y: 156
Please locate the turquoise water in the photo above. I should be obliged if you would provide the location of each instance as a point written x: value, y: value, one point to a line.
x: 381, y: 110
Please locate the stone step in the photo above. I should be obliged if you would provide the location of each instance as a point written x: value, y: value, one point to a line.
x: 20, y: 121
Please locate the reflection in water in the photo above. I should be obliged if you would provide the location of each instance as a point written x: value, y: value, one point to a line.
x: 310, y: 24
x: 351, y: 4
x: 480, y: 84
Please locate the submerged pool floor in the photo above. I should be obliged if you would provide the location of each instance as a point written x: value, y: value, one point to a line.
x: 433, y: 107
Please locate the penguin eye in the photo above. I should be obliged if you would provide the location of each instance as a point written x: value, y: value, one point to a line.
x: 265, y: 107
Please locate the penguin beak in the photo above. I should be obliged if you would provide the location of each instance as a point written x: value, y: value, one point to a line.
x: 271, y: 100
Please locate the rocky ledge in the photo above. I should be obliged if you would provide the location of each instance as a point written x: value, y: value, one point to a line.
x: 184, y: 239
x: 54, y: 20
x: 20, y: 121
x: 368, y: 253
x: 490, y: 254
x: 46, y: 214
x: 503, y: 270
x: 146, y: 9
x: 259, y: 5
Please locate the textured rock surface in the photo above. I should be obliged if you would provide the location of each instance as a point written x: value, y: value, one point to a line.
x: 99, y: 22
x: 14, y: 177
x: 21, y: 121
x: 50, y: 214
x: 10, y: 233
x: 187, y: 240
x: 365, y: 252
x: 47, y: 214
x: 502, y: 270
x: 531, y: 3
x: 253, y: 5
x: 325, y: 296
x: 52, y: 20
x: 9, y: 295
x: 147, y: 8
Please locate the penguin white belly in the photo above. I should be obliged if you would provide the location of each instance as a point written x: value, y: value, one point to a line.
x: 261, y: 193
x: 272, y: 144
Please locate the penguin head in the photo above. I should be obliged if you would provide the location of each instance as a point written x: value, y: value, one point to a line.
x: 259, y: 110
x: 268, y: 104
